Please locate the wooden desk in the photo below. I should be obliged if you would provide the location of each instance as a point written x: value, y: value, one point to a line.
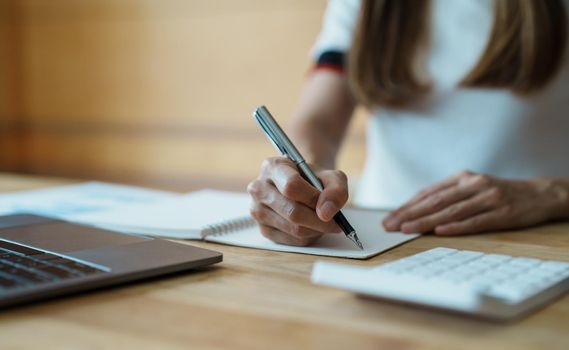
x: 264, y: 300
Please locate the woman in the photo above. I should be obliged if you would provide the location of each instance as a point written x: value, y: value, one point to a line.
x: 451, y: 85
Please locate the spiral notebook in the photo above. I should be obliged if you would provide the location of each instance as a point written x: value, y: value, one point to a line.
x: 223, y: 217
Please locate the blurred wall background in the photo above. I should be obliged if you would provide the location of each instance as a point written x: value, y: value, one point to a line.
x: 152, y: 92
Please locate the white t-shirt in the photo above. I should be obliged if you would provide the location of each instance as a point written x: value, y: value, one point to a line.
x: 490, y: 131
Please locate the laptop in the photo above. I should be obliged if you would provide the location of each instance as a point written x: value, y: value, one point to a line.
x: 43, y: 258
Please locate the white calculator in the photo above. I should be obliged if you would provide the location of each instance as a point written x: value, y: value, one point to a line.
x: 489, y: 285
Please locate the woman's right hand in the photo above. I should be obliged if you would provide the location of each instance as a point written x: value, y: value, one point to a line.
x: 290, y: 210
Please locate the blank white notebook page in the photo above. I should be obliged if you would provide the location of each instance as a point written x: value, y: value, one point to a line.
x: 366, y: 222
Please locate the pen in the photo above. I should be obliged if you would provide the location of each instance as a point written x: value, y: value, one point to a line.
x: 281, y: 141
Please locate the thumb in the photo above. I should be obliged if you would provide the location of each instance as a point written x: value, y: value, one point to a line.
x: 334, y: 196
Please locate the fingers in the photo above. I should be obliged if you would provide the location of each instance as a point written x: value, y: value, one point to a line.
x: 268, y: 217
x: 429, y: 205
x: 285, y: 176
x: 289, y: 209
x: 435, y: 199
x: 283, y: 238
x: 458, y: 211
x: 335, y: 194
x: 449, y: 182
x: 492, y: 220
x: 296, y: 215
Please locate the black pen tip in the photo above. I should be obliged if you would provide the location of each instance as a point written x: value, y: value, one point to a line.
x: 354, y: 238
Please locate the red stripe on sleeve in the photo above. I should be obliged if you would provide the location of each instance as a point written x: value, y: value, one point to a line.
x: 328, y: 66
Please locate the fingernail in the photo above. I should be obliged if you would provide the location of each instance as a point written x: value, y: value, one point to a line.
x: 442, y: 230
x: 409, y: 227
x: 328, y: 210
x: 391, y: 224
x: 387, y: 228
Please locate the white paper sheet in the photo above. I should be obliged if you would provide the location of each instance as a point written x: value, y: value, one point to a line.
x: 66, y: 202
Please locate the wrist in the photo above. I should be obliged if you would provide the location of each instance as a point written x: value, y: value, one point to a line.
x: 317, y: 147
x: 319, y: 166
x: 556, y: 192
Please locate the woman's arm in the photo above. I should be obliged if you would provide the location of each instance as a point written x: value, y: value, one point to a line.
x: 323, y: 114
x: 288, y: 209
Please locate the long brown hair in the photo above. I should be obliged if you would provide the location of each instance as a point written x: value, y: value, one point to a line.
x: 523, y: 53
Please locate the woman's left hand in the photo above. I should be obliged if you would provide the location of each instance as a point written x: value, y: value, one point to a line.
x: 471, y: 203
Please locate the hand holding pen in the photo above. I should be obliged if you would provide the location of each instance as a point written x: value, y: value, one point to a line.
x: 292, y: 204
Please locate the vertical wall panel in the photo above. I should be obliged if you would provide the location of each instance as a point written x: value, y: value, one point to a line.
x: 138, y: 90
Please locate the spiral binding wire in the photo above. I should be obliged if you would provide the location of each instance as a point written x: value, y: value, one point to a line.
x: 228, y: 226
